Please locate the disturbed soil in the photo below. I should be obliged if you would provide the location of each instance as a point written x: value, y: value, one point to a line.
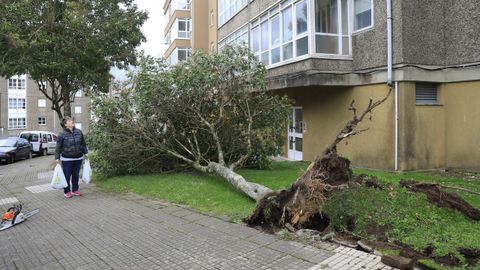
x: 276, y: 211
x: 300, y: 206
x: 441, y: 198
x: 455, y: 173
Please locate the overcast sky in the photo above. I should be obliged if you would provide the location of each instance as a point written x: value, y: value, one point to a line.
x: 152, y: 29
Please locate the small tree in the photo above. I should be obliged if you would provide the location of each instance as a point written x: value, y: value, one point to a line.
x: 211, y: 113
x: 69, y: 44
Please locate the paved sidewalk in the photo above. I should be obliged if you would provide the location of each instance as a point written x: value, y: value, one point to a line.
x: 109, y: 231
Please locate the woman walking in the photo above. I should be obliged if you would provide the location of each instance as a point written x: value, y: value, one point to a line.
x: 71, y: 150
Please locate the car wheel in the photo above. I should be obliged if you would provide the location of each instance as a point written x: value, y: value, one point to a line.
x: 29, y: 155
x: 43, y: 152
x: 12, y: 159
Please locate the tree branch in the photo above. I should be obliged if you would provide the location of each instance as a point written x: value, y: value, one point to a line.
x: 216, y: 139
x: 244, y: 157
x: 350, y: 128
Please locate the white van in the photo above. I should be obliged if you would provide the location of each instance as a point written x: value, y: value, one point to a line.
x: 43, y: 142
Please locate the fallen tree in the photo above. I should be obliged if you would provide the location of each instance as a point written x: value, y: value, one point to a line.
x: 211, y: 113
x: 303, y: 201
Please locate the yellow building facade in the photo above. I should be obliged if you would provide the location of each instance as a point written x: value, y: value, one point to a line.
x: 191, y: 25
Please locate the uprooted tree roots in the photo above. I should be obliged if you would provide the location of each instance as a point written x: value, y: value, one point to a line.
x: 300, y: 206
x: 297, y: 205
x: 305, y: 198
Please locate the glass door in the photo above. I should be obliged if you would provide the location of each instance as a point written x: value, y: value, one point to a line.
x: 295, y: 134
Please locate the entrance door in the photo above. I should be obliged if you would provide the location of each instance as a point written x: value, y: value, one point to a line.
x: 295, y: 134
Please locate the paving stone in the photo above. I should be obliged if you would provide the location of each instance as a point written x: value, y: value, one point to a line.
x: 103, y: 230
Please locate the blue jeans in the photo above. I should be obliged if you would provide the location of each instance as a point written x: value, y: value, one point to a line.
x: 71, y: 169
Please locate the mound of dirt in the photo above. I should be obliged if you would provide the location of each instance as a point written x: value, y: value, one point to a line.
x: 380, y: 232
x: 441, y: 198
x: 368, y: 181
x: 471, y: 255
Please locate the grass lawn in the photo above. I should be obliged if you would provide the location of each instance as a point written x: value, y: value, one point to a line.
x: 410, y: 218
x: 206, y: 193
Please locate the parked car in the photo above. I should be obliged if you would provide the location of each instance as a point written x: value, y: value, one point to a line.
x: 14, y: 148
x: 43, y: 142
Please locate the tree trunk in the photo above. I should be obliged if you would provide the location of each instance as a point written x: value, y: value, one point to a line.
x: 66, y: 90
x: 253, y: 190
x: 67, y: 109
x: 59, y: 113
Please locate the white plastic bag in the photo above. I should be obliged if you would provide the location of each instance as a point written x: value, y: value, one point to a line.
x: 87, y: 172
x: 58, y: 179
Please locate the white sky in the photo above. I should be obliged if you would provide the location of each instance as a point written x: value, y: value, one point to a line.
x: 152, y: 29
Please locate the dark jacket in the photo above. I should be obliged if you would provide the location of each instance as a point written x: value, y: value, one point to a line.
x: 70, y: 144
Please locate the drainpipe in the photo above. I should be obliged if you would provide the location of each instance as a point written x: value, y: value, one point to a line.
x: 396, y: 127
x: 390, y: 77
x: 389, y: 42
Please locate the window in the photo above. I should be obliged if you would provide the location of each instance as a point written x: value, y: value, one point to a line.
x: 183, y: 4
x: 42, y: 85
x: 17, y: 103
x: 287, y: 33
x: 331, y: 27
x: 301, y: 29
x: 183, y: 54
x: 16, y: 123
x: 264, y: 42
x: 212, y: 18
x: 184, y: 28
x: 42, y: 121
x: 12, y: 83
x: 228, y: 8
x: 179, y: 54
x: 169, y: 10
x: 78, y: 109
x: 12, y: 103
x: 239, y: 37
x: 275, y: 38
x: 426, y: 93
x: 22, y: 84
x: 17, y: 83
x: 42, y: 103
x: 362, y: 14
x: 168, y: 38
x: 78, y: 125
x: 281, y: 33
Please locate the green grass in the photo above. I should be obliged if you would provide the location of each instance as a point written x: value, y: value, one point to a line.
x: 206, y: 193
x: 431, y: 264
x: 427, y: 177
x: 412, y: 219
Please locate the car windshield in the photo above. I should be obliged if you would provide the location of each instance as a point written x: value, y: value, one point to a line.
x: 7, y: 143
x: 29, y: 137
